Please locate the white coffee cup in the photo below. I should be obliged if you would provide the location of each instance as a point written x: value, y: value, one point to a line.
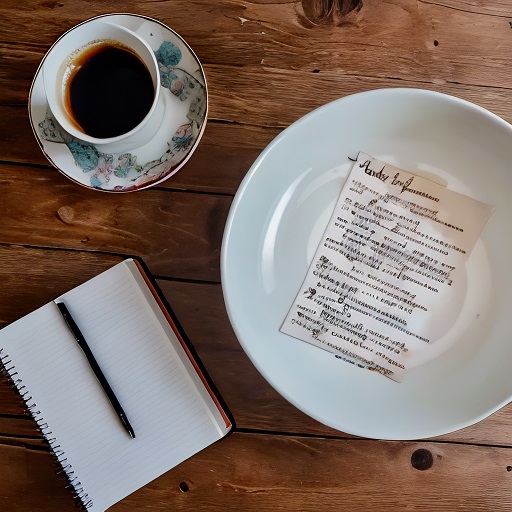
x: 57, y: 67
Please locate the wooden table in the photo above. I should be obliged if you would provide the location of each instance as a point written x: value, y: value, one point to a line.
x: 267, y: 62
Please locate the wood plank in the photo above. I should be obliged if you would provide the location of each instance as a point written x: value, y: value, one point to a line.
x: 440, y: 42
x: 278, y: 98
x: 178, y: 234
x: 495, y: 8
x: 223, y: 157
x: 23, y: 427
x: 11, y: 404
x: 265, y: 473
x: 251, y: 472
x: 418, y: 41
x: 31, y: 482
x: 33, y: 277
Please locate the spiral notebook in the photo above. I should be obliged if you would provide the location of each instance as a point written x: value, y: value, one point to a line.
x: 141, y: 351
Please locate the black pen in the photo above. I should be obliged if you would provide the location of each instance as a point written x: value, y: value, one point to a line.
x: 94, y: 365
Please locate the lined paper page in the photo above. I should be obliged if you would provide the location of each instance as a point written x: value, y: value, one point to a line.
x: 170, y: 420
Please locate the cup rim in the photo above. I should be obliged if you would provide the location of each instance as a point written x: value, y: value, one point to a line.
x: 67, y: 125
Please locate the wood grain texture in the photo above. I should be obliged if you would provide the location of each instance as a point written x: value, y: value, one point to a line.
x: 417, y: 42
x: 499, y: 8
x: 16, y: 427
x: 178, y: 235
x: 254, y: 473
x: 330, y: 11
x: 31, y: 482
x: 295, y: 93
x: 251, y: 472
x: 32, y: 277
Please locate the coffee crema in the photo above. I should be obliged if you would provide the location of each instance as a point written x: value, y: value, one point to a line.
x: 109, y: 90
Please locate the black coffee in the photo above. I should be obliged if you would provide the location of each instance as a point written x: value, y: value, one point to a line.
x: 110, y: 92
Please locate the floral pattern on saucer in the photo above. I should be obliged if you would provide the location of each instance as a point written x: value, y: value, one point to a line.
x: 102, y: 167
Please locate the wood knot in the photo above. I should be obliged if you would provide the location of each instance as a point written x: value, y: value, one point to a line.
x: 422, y: 459
x: 66, y: 214
x: 329, y: 11
x: 184, y: 487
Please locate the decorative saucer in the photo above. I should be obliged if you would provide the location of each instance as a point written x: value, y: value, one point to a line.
x: 184, y: 120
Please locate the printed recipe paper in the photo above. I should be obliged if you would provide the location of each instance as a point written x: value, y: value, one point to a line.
x: 388, y: 277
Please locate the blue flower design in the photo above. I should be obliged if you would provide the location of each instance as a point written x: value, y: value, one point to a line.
x: 182, y: 139
x: 85, y: 155
x: 51, y: 130
x: 182, y: 143
x: 127, y: 163
x: 168, y: 54
x: 95, y: 182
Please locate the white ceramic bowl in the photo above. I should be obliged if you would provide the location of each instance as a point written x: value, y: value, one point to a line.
x: 276, y: 221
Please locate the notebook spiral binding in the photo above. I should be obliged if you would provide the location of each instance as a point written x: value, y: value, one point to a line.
x: 8, y: 369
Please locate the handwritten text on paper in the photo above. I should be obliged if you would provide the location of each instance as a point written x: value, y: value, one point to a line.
x: 386, y: 278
